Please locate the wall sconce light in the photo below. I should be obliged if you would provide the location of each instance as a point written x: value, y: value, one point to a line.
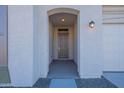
x: 62, y: 19
x: 92, y: 24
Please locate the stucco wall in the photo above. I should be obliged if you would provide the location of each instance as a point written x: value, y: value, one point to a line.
x: 41, y: 27
x: 20, y: 45
x: 71, y: 43
x: 36, y: 63
x: 51, y: 27
x: 91, y: 54
x: 75, y: 42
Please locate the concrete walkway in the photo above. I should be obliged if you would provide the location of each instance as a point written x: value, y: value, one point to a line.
x: 116, y: 78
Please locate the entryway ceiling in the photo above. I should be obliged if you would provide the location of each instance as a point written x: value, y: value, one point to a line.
x: 69, y: 19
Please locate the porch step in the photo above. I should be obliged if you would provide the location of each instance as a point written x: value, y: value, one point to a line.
x: 63, y: 83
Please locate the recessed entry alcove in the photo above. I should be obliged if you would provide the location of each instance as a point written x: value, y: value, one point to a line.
x: 63, y: 43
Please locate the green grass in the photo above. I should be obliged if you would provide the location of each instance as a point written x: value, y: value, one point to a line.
x: 4, y: 75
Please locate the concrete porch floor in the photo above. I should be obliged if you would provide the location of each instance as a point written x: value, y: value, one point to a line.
x: 63, y: 69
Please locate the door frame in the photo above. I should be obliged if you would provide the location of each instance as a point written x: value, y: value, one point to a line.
x: 58, y: 44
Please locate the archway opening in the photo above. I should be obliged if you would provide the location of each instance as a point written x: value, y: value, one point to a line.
x: 63, y: 43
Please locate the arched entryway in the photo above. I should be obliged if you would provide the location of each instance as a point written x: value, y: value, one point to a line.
x: 63, y: 43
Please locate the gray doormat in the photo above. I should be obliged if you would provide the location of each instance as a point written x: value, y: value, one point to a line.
x: 63, y: 83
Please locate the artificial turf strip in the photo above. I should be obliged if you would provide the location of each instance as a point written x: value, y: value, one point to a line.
x: 4, y: 75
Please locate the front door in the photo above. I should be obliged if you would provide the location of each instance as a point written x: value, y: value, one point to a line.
x: 63, y: 44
